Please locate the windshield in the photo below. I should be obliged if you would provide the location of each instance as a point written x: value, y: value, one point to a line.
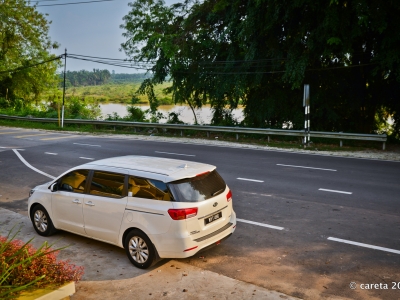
x: 198, y: 188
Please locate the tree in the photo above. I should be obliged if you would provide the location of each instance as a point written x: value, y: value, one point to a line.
x: 260, y: 53
x: 24, y: 42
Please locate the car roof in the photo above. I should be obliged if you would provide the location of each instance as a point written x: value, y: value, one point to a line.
x: 155, y: 167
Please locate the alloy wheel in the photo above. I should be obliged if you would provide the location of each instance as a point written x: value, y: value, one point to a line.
x: 40, y: 220
x: 138, y: 249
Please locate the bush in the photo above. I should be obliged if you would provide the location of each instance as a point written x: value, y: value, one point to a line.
x: 24, y: 267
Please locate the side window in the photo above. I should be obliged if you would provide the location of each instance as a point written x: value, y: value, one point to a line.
x: 74, y: 181
x: 149, y: 189
x: 107, y: 184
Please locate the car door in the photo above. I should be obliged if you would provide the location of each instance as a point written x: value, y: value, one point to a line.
x: 148, y: 204
x: 67, y: 202
x: 104, y: 206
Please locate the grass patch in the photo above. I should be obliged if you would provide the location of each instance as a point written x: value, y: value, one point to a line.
x: 117, y: 93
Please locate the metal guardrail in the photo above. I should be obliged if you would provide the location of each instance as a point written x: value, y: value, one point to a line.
x: 265, y: 131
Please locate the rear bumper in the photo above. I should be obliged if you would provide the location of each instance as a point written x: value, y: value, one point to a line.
x: 195, y: 245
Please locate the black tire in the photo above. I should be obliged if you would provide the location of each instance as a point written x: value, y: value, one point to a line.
x: 41, y: 221
x: 140, y: 250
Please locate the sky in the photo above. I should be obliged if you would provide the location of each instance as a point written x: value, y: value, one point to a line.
x: 88, y: 29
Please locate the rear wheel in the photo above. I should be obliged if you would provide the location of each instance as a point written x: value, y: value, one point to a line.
x: 140, y: 249
x: 41, y: 221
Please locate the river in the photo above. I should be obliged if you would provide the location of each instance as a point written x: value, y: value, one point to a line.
x: 204, y: 114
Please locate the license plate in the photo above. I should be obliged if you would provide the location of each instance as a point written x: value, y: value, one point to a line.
x: 208, y: 220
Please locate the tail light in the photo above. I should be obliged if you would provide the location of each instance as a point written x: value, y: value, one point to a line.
x: 229, y: 196
x: 182, y: 214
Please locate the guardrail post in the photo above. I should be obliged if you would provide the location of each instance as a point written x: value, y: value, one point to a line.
x: 208, y: 134
x: 383, y: 146
x: 341, y: 143
x: 237, y: 136
x: 114, y: 128
x: 134, y: 129
x: 268, y: 139
x: 181, y: 132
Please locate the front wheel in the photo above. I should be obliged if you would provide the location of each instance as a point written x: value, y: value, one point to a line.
x: 140, y: 249
x: 41, y: 221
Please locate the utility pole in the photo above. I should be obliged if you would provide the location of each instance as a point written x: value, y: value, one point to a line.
x: 306, y: 104
x: 65, y: 69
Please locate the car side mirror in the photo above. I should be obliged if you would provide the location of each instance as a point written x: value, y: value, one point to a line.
x: 53, y: 187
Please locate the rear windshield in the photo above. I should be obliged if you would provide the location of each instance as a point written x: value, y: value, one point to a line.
x: 198, y: 188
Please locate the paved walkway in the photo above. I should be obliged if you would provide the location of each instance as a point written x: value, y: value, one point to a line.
x: 110, y: 275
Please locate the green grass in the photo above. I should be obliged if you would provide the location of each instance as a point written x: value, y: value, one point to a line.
x: 262, y: 140
x: 117, y: 93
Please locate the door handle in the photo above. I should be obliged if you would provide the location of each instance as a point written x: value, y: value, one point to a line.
x: 76, y: 201
x: 90, y: 203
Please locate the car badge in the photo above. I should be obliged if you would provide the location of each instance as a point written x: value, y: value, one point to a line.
x: 215, y: 204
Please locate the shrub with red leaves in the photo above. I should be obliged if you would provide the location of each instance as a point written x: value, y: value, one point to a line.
x: 22, y: 265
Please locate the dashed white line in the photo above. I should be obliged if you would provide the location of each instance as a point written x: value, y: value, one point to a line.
x: 247, y: 179
x: 51, y: 153
x: 335, y: 191
x: 364, y: 245
x: 29, y: 166
x: 89, y: 158
x: 260, y: 224
x: 264, y: 195
x: 306, y: 167
x: 86, y: 145
x: 174, y: 153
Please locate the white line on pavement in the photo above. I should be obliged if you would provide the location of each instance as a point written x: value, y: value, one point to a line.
x: 86, y: 145
x: 334, y: 191
x: 174, y: 153
x: 89, y: 158
x: 29, y: 166
x: 306, y: 167
x: 253, y: 180
x: 265, y: 195
x: 260, y: 224
x: 364, y: 245
x: 50, y: 153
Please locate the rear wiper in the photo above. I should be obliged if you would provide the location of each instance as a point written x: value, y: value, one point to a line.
x: 217, y: 192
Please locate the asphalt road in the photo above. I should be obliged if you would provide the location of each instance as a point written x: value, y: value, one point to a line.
x: 322, y: 207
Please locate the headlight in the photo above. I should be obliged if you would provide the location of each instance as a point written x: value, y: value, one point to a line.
x: 31, y: 192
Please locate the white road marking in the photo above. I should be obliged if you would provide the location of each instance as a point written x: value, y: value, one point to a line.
x: 306, y: 167
x: 59, y: 137
x: 253, y: 180
x: 334, y: 191
x: 50, y: 153
x: 87, y: 158
x: 265, y: 195
x: 364, y: 245
x: 174, y: 153
x: 260, y: 224
x: 87, y: 145
x: 29, y: 166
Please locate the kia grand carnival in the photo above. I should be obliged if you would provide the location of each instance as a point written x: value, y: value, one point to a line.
x: 153, y: 207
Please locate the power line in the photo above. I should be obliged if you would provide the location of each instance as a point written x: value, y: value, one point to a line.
x: 105, y: 58
x: 111, y: 63
x: 206, y: 69
x: 31, y: 66
x: 72, y: 3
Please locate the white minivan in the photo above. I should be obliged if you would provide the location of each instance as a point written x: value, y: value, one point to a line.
x: 153, y: 207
